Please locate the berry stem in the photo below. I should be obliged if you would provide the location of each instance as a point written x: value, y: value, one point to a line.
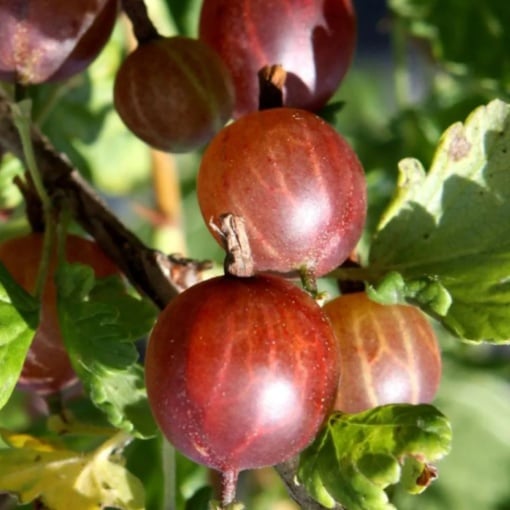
x: 309, y: 282
x: 228, y: 487
x: 271, y: 83
x: 238, y: 260
x: 144, y: 29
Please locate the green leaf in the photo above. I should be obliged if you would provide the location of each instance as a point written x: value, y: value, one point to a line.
x: 19, y: 316
x: 100, y: 322
x: 450, y: 25
x: 477, y: 403
x: 445, y: 233
x: 359, y: 455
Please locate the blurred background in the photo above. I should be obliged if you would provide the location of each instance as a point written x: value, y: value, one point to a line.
x: 400, y: 94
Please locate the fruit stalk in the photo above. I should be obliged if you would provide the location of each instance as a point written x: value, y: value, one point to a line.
x: 271, y: 83
x: 144, y: 29
x: 228, y: 487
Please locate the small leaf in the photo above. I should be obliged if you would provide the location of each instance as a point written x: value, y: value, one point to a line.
x: 100, y: 322
x: 19, y: 315
x: 359, y: 455
x: 445, y: 233
x: 65, y: 479
x: 393, y: 289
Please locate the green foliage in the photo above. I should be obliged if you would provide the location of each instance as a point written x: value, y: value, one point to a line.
x: 19, y: 316
x: 100, y: 323
x: 469, y: 37
x: 443, y: 232
x: 476, y: 400
x: 79, y: 118
x: 442, y: 243
x: 358, y: 456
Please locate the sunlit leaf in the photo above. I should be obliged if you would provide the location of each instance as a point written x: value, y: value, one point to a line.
x: 19, y: 315
x: 446, y: 232
x: 359, y: 455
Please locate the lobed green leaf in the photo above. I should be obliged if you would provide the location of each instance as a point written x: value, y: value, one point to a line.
x: 100, y: 322
x: 444, y: 241
x: 359, y: 455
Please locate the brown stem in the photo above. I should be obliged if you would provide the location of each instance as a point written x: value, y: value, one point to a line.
x: 350, y: 286
x: 33, y: 204
x: 158, y: 276
x: 144, y: 29
x: 238, y: 258
x: 271, y: 83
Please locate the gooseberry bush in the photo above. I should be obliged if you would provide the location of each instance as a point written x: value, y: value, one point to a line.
x: 250, y: 258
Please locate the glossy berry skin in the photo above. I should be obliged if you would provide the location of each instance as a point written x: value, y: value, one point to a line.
x: 174, y: 93
x: 313, y: 40
x: 296, y: 183
x: 241, y: 372
x: 47, y: 368
x: 51, y: 40
x: 390, y: 353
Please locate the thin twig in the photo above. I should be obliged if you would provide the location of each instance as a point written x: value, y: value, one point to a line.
x: 158, y: 276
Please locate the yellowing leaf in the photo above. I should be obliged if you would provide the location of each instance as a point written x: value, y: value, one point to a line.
x: 64, y: 479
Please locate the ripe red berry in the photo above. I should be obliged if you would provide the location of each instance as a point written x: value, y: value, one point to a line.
x: 47, y: 368
x: 313, y: 41
x: 389, y: 353
x: 241, y: 372
x: 174, y: 93
x: 296, y: 183
x: 52, y: 40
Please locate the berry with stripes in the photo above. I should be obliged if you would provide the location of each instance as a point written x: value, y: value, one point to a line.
x: 390, y: 353
x: 296, y: 183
